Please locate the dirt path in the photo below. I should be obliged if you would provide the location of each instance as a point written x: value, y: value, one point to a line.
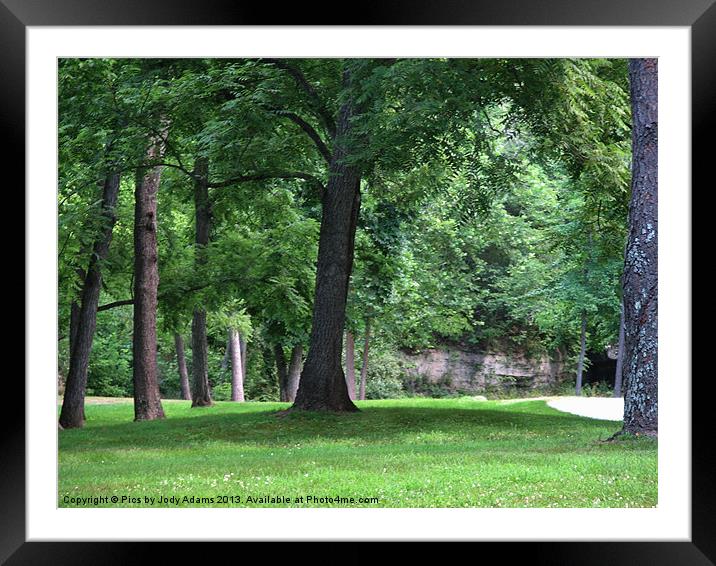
x: 603, y: 408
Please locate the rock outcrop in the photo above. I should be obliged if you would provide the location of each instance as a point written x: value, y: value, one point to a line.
x: 477, y: 372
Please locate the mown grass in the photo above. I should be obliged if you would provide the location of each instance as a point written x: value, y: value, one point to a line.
x: 407, y: 453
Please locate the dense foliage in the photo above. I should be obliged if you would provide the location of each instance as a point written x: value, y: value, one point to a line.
x: 493, y: 214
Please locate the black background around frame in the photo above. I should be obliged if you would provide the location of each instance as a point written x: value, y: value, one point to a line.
x: 700, y: 15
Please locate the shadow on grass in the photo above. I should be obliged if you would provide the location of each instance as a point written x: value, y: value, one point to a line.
x: 254, y: 424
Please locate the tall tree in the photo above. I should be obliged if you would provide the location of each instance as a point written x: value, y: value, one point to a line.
x: 237, y: 371
x: 351, y: 364
x: 618, y: 373
x: 181, y: 365
x: 582, y: 351
x: 282, y: 372
x: 364, y: 365
x: 85, y: 321
x: 147, y: 401
x: 200, y: 368
x: 322, y: 385
x: 640, y: 283
x: 294, y: 372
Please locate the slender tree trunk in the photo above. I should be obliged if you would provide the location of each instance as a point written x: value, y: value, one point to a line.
x: 322, y: 385
x: 582, y: 352
x: 364, y: 365
x: 640, y: 279
x: 181, y: 363
x: 294, y: 372
x: 147, y: 401
x: 227, y: 353
x: 72, y: 413
x: 620, y: 356
x: 237, y: 374
x: 351, y: 365
x: 242, y: 342
x: 281, y: 371
x: 200, y: 369
x: 75, y: 311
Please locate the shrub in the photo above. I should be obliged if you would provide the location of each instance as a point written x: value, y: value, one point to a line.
x: 385, y: 376
x: 422, y: 386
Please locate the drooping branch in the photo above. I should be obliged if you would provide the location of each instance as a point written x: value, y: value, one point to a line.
x: 310, y: 131
x: 313, y: 96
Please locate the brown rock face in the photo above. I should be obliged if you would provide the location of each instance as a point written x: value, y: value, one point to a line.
x: 476, y: 372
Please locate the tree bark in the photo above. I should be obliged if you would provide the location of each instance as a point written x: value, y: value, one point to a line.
x: 237, y: 374
x: 242, y: 342
x: 72, y: 413
x: 227, y: 353
x: 294, y: 373
x: 640, y: 279
x: 281, y: 371
x: 322, y: 384
x: 364, y: 365
x: 620, y: 356
x: 74, y: 323
x: 351, y: 365
x: 200, y: 370
x: 582, y: 352
x: 181, y: 363
x: 147, y: 401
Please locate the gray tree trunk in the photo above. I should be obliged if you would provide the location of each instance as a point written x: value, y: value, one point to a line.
x: 582, y: 352
x: 242, y: 341
x: 181, y: 364
x: 364, y: 365
x: 227, y: 353
x: 620, y: 356
x: 351, y: 365
x: 294, y: 373
x: 237, y: 372
x: 281, y: 371
x: 640, y: 279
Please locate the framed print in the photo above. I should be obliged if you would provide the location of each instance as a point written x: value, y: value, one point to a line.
x: 67, y: 517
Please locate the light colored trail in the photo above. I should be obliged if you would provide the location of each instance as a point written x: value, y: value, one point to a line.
x: 603, y: 408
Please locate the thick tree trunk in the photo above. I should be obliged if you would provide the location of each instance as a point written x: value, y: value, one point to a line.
x: 364, y: 365
x: 294, y: 373
x: 201, y: 393
x: 582, y: 352
x: 81, y: 337
x: 75, y: 311
x: 282, y: 372
x: 200, y: 369
x: 620, y: 356
x: 322, y: 385
x: 181, y: 363
x: 351, y: 365
x: 237, y: 373
x: 147, y: 402
x: 74, y: 323
x: 640, y: 279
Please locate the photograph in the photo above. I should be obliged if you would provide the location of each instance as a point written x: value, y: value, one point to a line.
x: 422, y: 277
x: 347, y: 282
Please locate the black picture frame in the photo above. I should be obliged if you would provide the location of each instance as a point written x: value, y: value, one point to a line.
x: 699, y: 15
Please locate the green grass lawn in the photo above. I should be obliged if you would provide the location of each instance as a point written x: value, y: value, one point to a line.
x: 406, y: 453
